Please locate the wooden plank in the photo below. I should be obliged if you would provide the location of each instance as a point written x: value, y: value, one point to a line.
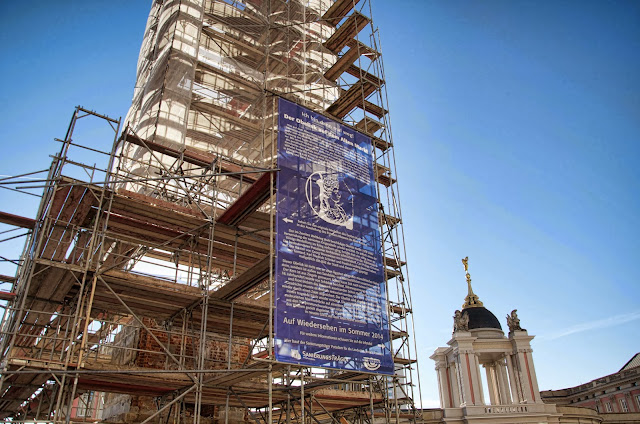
x: 58, y: 237
x: 374, y: 109
x: 141, y: 306
x: 221, y: 112
x: 78, y: 219
x: 403, y: 361
x: 403, y: 415
x: 189, y: 154
x: 227, y: 233
x: 248, y: 202
x: 7, y: 279
x: 73, y: 212
x: 399, y: 309
x: 341, y: 65
x: 380, y: 169
x: 347, y: 31
x: 236, y: 81
x: 392, y: 273
x: 152, y: 284
x: 392, y: 262
x: 17, y: 221
x: 221, y: 259
x: 8, y: 296
x: 351, y: 98
x: 338, y: 10
x: 157, y: 213
x: 368, y: 125
x: 235, y: 42
x: 256, y: 221
x: 244, y: 281
x: 254, y: 370
x: 398, y: 334
x: 380, y: 143
x: 365, y: 50
x: 153, y: 297
x: 154, y: 201
x: 53, y: 283
x: 253, y: 394
x: 148, y: 234
x: 58, y: 200
x: 359, y: 73
x: 19, y: 389
x: 386, y: 180
x: 389, y: 220
x: 125, y: 386
x: 187, y: 258
x: 248, y: 319
x: 59, y: 265
x: 243, y: 21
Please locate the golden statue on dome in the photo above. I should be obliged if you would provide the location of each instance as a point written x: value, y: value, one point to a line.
x: 472, y: 300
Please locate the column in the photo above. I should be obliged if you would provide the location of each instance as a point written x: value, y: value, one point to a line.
x: 467, y: 368
x: 531, y: 370
x: 490, y: 371
x: 448, y: 381
x: 455, y: 388
x: 464, y: 370
x: 443, y: 385
x: 477, y: 381
x: 514, y: 380
x: 503, y: 382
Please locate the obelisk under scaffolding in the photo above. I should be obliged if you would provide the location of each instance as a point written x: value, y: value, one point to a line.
x: 243, y: 256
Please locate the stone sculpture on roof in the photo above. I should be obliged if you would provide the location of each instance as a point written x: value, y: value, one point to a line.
x: 514, y: 322
x: 460, y: 321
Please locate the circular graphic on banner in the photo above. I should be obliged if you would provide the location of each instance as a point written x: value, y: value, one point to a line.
x: 330, y: 198
x: 371, y: 364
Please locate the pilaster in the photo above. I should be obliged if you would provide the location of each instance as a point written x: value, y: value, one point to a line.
x: 528, y: 382
x: 525, y: 377
x: 467, y: 368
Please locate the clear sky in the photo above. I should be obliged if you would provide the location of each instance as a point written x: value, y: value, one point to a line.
x: 517, y: 132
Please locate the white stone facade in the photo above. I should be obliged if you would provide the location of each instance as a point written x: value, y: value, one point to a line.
x: 512, y: 386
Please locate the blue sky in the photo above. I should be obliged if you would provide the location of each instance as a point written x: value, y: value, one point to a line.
x: 517, y: 130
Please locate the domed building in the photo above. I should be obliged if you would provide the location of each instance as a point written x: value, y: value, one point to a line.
x: 512, y: 396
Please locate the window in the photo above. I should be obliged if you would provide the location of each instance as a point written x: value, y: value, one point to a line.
x: 607, y: 407
x: 623, y: 405
x: 638, y: 401
x: 85, y: 405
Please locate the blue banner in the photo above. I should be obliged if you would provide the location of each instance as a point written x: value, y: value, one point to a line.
x: 330, y: 293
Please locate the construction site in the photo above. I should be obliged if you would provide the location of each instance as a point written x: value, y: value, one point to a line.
x: 145, y: 290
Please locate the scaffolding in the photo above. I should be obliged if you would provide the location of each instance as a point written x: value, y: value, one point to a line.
x: 145, y: 289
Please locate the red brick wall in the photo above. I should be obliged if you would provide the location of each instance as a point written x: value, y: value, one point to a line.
x: 185, y: 348
x: 152, y: 355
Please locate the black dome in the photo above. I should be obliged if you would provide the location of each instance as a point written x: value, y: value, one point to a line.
x: 481, y: 317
